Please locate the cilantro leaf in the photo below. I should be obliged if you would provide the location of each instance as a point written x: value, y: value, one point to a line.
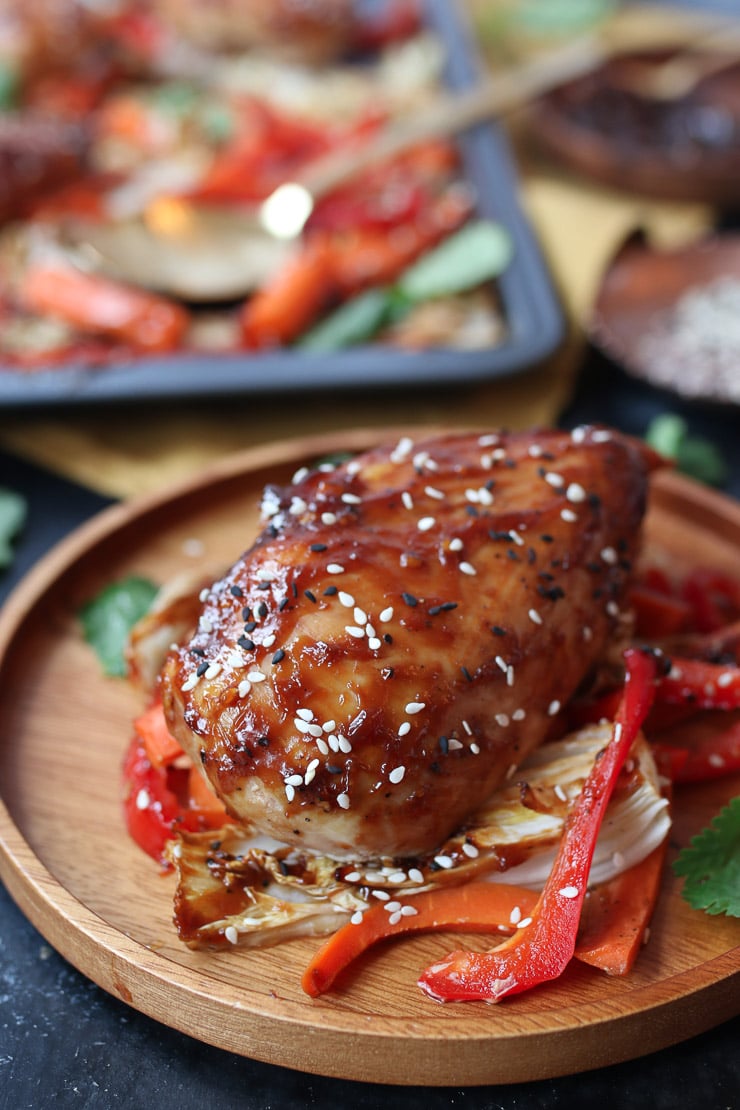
x: 13, y: 509
x: 710, y: 865
x: 109, y: 617
x: 669, y: 434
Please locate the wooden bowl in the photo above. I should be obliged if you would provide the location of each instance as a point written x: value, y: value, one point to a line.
x: 602, y: 125
x: 672, y: 317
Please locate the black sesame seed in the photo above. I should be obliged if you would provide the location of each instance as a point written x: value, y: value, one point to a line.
x: 435, y: 610
x: 310, y: 595
x: 283, y: 604
x: 265, y: 584
x: 410, y: 599
x: 246, y: 613
x: 236, y: 591
x: 498, y: 630
x: 444, y: 745
x: 197, y: 651
x: 318, y: 547
x: 447, y: 606
x: 284, y: 869
x: 552, y: 593
x: 294, y: 588
x: 541, y: 471
x: 333, y: 769
x: 279, y: 655
x: 512, y: 555
x: 246, y: 643
x: 467, y: 674
x: 387, y: 637
x: 510, y: 463
x: 531, y: 555
x: 202, y: 668
x: 264, y: 741
x: 261, y: 610
x: 330, y: 591
x: 594, y: 500
x: 434, y: 767
x: 250, y: 626
x: 471, y: 510
x: 490, y: 484
x: 494, y: 535
x: 545, y: 538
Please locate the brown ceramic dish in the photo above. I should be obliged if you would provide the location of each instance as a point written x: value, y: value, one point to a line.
x: 673, y: 317
x: 604, y: 125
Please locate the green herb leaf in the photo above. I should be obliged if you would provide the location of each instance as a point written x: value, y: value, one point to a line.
x: 109, y: 617
x: 13, y: 512
x: 356, y: 321
x: 693, y: 455
x: 711, y: 865
x: 479, y: 252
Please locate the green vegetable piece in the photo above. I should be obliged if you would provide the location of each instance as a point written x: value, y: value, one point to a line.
x: 477, y: 253
x: 693, y: 455
x: 13, y: 511
x: 710, y: 865
x: 109, y: 617
x: 9, y: 86
x: 356, y: 321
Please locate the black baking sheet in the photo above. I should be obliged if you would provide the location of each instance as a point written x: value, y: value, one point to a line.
x: 534, y: 319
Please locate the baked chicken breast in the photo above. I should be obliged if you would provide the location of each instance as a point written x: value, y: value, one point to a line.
x: 403, y: 631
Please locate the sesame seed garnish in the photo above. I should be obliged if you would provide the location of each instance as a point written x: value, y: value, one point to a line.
x: 553, y: 708
x: 468, y: 568
x: 560, y: 793
x: 344, y: 744
x: 269, y: 640
x: 244, y: 687
x: 415, y: 875
x: 515, y: 916
x: 444, y: 862
x: 190, y: 682
x: 300, y: 726
x: 289, y: 792
x: 356, y: 918
x: 554, y: 479
x: 453, y: 744
x: 143, y: 798
x: 516, y: 538
x: 469, y: 850
x: 397, y: 774
x: 415, y: 707
x: 524, y: 922
x: 297, y: 506
x: 396, y: 877
x: 256, y: 676
x: 395, y: 917
x: 374, y: 643
x: 351, y: 499
x: 601, y: 436
x: 402, y: 449
x: 294, y: 780
x: 322, y: 746
x: 352, y: 877
x: 518, y: 715
x: 410, y: 600
x: 436, y: 494
x: 408, y: 911
x: 343, y: 801
x: 346, y: 599
x: 575, y: 493
x: 328, y: 518
x: 407, y: 499
x: 334, y: 568
x: 392, y: 906
x: 305, y: 714
x: 455, y: 544
x: 381, y: 895
x: 488, y: 440
x: 404, y: 729
x: 231, y: 934
x: 386, y: 615
x: 569, y: 891
x: 426, y: 523
x: 467, y: 728
x: 724, y: 679
x: 353, y: 630
x: 534, y: 616
x: 578, y: 434
x: 501, y: 719
x: 568, y: 516
x: 509, y: 675
x: 278, y: 656
x: 359, y: 615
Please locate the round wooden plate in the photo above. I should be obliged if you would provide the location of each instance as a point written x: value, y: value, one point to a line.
x: 67, y: 860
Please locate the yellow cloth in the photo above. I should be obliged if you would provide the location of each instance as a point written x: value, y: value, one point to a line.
x: 127, y: 450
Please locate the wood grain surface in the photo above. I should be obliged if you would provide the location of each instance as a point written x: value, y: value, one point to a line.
x: 67, y: 860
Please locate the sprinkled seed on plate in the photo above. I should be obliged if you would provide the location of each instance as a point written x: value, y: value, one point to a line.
x: 335, y: 568
x: 359, y: 615
x: 289, y: 792
x: 386, y: 615
x: 190, y: 682
x: 404, y: 729
x: 346, y: 599
x: 560, y: 793
x: 269, y: 640
x: 516, y: 538
x: 299, y: 475
x: 344, y: 744
x: 724, y: 679
x: 612, y: 608
x: 381, y: 895
x: 524, y: 922
x: 394, y: 918
x: 353, y: 630
x: 509, y: 675
x: 518, y: 715
x: 609, y: 555
x: 408, y: 911
x: 397, y: 774
x: 415, y: 875
x: 143, y: 798
x: 343, y: 801
x: 436, y: 494
x: 329, y: 726
x: 244, y: 687
x: 415, y: 707
x: 297, y: 506
x: 469, y: 850
x: 352, y: 877
x: 396, y: 877
x: 554, y: 479
x: 393, y: 906
x: 256, y: 676
x: 444, y: 862
x: 294, y: 780
x: 374, y: 643
x: 467, y: 728
x: 305, y: 714
x: 328, y: 518
x: 501, y: 719
x: 515, y: 916
x: 534, y: 451
x: 322, y: 746
x: 501, y: 664
x: 475, y: 749
x: 356, y: 918
x: 314, y: 730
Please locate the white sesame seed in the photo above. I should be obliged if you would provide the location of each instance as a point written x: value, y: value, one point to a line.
x: 617, y: 732
x: 356, y: 918
x: 509, y: 675
x: 467, y: 728
x: 328, y: 518
x: 578, y: 434
x: 601, y: 436
x: 575, y: 493
x: 407, y: 499
x: 569, y: 891
x: 404, y: 729
x: 469, y: 850
x: 322, y: 746
x: 455, y: 544
x: 436, y: 494
x: 534, y: 616
x: 393, y: 906
x: 499, y: 454
x: 488, y: 440
x: 408, y: 911
x: 305, y: 714
x: 501, y: 663
x: 256, y: 676
x: 352, y: 877
x: 351, y: 499
x: 725, y: 679
x: 397, y: 774
x: 244, y: 687
x: 190, y: 682
x: 386, y: 615
x: 486, y: 462
x: 346, y: 599
x: 453, y: 744
x: 560, y: 793
x: 344, y: 744
x: 415, y: 707
x: 612, y: 608
x: 343, y: 801
x: 301, y: 726
x: 534, y: 451
x: 524, y: 922
x: 334, y: 742
x: 203, y: 595
x: 515, y: 916
x: 426, y: 523
x: 359, y: 615
x: 501, y: 719
x: 143, y: 798
x: 553, y: 708
x: 402, y: 449
x: 334, y: 568
x: 289, y: 792
x: 205, y: 625
x: 516, y: 538
x: 475, y: 749
x: 235, y: 659
x: 231, y: 934
x: 518, y: 714
x: 609, y: 555
x: 415, y: 875
x: 397, y: 877
x: 353, y: 630
x: 468, y: 568
x: 444, y: 861
x: 471, y: 495
x: 297, y: 506
x: 374, y: 643
x: 485, y: 497
x: 294, y: 780
x: 299, y: 475
x: 381, y: 895
x: 554, y: 479
x: 314, y: 730
x: 568, y: 516
x: 394, y: 918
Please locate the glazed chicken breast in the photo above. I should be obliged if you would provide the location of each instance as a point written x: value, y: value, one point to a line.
x: 402, y: 633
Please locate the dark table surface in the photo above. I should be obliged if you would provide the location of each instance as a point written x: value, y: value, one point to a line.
x: 65, y: 1042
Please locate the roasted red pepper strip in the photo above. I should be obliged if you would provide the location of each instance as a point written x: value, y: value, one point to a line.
x: 542, y: 950
x: 700, y: 684
x: 707, y: 752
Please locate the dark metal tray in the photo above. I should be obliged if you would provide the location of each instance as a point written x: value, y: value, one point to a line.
x: 534, y: 319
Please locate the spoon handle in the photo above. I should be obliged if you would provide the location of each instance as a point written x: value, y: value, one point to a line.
x: 452, y: 113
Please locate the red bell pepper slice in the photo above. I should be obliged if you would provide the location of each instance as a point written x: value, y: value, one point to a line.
x: 700, y: 684
x: 710, y: 753
x: 541, y: 950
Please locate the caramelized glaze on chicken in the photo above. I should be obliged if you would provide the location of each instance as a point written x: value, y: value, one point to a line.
x: 402, y: 633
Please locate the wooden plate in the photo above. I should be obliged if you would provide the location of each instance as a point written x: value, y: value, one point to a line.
x: 67, y: 860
